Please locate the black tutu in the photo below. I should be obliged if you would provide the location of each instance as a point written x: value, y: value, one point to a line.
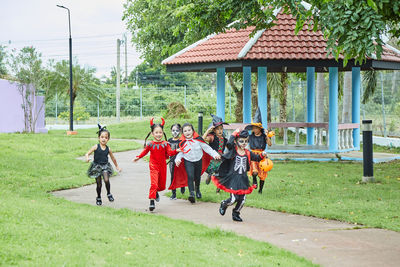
x: 95, y: 170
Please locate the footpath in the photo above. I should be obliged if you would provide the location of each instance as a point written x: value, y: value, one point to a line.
x: 324, y: 242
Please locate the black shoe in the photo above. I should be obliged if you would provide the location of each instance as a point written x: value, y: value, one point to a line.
x: 191, y: 197
x: 173, y: 196
x: 198, y: 194
x: 98, y: 201
x: 182, y: 190
x: 236, y: 217
x: 222, y: 208
x: 110, y: 197
x: 208, y: 180
x: 152, y: 205
x: 157, y: 197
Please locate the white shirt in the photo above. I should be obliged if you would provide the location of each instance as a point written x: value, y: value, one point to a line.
x: 194, y: 149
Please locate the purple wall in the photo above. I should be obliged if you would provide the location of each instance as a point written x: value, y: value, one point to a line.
x: 11, y: 113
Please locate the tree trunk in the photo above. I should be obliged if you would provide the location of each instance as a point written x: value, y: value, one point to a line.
x: 269, y: 117
x: 283, y: 100
x: 254, y: 95
x: 347, y: 98
x: 239, y: 98
x: 320, y: 97
x: 394, y: 74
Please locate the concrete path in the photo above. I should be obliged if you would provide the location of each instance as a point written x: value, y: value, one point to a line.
x: 325, y: 242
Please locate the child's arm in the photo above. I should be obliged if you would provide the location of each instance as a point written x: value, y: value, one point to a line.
x: 171, y: 152
x: 141, y: 155
x: 90, y: 152
x: 114, y: 160
x: 258, y: 157
x: 206, y: 148
x: 178, y: 159
x: 206, y: 136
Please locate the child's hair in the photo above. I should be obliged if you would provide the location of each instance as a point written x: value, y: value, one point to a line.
x: 153, y: 126
x: 177, y: 125
x: 242, y: 134
x: 103, y: 129
x: 186, y: 125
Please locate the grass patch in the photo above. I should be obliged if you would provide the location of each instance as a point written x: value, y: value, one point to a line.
x: 37, y: 228
x: 330, y: 190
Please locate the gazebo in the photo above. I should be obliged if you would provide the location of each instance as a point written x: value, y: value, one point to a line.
x: 278, y: 49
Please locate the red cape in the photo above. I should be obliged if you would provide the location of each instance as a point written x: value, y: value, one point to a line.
x: 180, y: 176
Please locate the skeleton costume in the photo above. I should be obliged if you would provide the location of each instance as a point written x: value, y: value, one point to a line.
x: 232, y: 176
x: 175, y: 131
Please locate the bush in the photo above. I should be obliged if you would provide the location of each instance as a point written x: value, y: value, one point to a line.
x: 176, y: 110
x: 80, y: 114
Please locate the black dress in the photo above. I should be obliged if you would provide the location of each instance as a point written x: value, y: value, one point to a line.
x: 232, y: 174
x: 100, y: 163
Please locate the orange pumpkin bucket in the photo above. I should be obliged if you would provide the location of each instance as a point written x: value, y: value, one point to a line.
x: 266, y: 165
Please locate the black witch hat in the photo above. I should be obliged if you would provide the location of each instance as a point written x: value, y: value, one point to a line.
x: 256, y: 121
x: 217, y: 121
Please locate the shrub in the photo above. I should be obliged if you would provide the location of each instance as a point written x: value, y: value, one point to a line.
x: 80, y: 114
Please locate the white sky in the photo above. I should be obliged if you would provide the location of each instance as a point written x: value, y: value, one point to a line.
x: 95, y: 27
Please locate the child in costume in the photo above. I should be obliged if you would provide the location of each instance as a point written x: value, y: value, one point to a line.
x: 100, y: 165
x: 160, y: 151
x: 191, y: 162
x: 174, y: 143
x: 214, y: 136
x: 232, y: 174
x: 258, y: 141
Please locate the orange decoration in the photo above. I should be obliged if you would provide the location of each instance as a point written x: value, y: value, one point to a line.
x: 271, y: 134
x: 266, y: 165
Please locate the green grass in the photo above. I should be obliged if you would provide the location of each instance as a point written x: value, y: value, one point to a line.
x: 38, y: 229
x: 331, y: 190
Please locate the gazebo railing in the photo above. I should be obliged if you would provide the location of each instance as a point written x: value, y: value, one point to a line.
x: 321, y: 135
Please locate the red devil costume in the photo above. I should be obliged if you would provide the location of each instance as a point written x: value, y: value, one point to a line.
x: 193, y: 164
x: 159, y: 153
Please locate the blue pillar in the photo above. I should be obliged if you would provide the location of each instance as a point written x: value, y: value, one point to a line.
x: 246, y: 94
x: 221, y: 93
x: 355, y: 109
x: 310, y: 103
x: 262, y: 94
x: 333, y: 109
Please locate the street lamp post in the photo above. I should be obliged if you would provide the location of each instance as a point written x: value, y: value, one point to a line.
x: 71, y: 107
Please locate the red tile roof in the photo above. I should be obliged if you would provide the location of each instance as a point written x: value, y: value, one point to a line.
x: 278, y: 42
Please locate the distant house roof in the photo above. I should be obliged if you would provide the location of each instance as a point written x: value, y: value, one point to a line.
x: 278, y: 48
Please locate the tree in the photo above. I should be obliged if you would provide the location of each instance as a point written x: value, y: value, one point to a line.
x: 347, y: 97
x: 352, y: 28
x: 84, y: 82
x: 30, y: 76
x: 3, y: 57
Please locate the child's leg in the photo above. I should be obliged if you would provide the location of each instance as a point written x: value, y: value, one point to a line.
x: 154, y: 183
x: 189, y: 167
x: 239, y: 205
x: 98, y: 188
x: 107, y: 182
x: 197, y: 177
x: 225, y: 203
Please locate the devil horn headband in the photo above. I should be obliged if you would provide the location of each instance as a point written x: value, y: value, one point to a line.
x: 152, y: 121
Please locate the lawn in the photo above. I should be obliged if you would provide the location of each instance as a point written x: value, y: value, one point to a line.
x: 331, y: 190
x: 37, y: 228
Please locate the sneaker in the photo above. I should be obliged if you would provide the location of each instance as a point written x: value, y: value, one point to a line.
x: 157, y: 197
x: 98, y: 201
x: 236, y: 217
x: 173, y: 196
x: 152, y: 205
x: 222, y: 208
x: 110, y: 197
x: 191, y: 197
x: 208, y: 180
x: 182, y: 190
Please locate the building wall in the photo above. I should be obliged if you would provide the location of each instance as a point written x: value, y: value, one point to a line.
x: 11, y: 112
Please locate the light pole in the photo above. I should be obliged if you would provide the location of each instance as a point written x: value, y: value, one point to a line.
x: 71, y: 107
